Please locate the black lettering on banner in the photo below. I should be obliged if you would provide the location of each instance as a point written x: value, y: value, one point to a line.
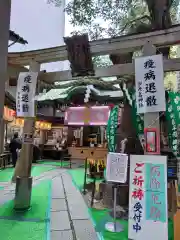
x: 149, y: 64
x: 25, y: 107
x: 151, y: 101
x: 151, y: 88
x: 25, y: 88
x: 28, y: 79
x: 149, y: 75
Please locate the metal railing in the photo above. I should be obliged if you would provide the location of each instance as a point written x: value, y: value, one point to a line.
x: 5, y: 160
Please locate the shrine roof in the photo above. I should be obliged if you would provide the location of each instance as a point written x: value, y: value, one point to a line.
x: 64, y: 93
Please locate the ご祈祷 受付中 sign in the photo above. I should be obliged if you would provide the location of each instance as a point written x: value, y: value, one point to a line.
x: 148, y: 217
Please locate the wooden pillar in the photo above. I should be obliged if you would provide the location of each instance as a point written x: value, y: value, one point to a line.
x: 5, y: 10
x: 81, y: 137
x: 102, y: 130
x: 70, y: 136
x: 6, y: 131
x: 2, y: 127
x: 23, y: 166
x: 42, y: 137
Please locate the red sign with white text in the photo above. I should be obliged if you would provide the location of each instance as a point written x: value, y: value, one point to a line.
x: 152, y: 141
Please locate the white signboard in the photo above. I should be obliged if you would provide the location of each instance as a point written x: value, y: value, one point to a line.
x: 148, y: 216
x: 27, y: 138
x: 116, y: 170
x: 178, y: 81
x: 149, y: 75
x: 26, y: 89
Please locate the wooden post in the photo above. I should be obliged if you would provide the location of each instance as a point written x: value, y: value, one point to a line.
x: 23, y: 166
x: 42, y: 137
x: 2, y: 128
x: 5, y: 10
x: 81, y: 137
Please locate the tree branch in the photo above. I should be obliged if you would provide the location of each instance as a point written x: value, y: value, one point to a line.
x: 135, y: 20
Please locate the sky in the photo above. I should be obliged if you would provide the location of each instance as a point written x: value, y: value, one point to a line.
x: 39, y: 23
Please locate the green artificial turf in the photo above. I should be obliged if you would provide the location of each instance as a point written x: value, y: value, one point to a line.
x: 26, y: 227
x: 12, y: 230
x: 6, y: 174
x: 38, y: 170
x: 38, y: 207
x: 99, y: 215
x: 64, y: 163
x: 77, y: 176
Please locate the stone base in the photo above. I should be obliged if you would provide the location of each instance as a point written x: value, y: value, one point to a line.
x: 22, y: 201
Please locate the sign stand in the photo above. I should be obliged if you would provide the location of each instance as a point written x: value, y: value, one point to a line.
x: 114, y: 226
x: 116, y: 173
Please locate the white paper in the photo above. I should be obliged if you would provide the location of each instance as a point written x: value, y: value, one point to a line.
x: 116, y: 170
x: 26, y: 89
x: 27, y: 138
x: 178, y: 81
x: 149, y: 76
x: 149, y: 180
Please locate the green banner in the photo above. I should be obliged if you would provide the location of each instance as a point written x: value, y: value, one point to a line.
x: 173, y: 118
x: 172, y: 114
x: 112, y: 128
x: 138, y: 121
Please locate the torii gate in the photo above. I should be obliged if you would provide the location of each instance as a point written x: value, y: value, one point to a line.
x: 100, y: 47
x: 123, y: 44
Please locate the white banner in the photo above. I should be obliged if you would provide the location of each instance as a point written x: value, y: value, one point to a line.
x: 26, y: 89
x: 148, y: 215
x: 116, y: 170
x: 178, y: 81
x: 149, y: 75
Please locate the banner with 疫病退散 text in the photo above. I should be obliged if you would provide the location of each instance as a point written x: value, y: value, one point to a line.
x: 149, y: 80
x: 25, y: 94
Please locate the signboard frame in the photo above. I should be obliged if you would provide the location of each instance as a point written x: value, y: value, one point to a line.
x: 150, y: 228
